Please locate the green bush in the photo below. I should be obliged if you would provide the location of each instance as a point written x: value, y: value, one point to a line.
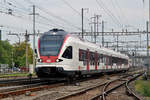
x: 143, y: 87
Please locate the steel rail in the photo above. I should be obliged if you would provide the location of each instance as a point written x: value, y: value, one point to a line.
x: 105, y: 93
x: 130, y: 91
x: 80, y: 92
x: 12, y: 82
x: 32, y: 89
x: 16, y: 80
x: 87, y: 89
x: 22, y: 91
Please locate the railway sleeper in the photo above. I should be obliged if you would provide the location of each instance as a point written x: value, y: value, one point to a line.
x: 128, y: 92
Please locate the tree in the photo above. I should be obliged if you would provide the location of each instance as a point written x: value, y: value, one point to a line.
x: 20, y: 54
x: 5, y: 52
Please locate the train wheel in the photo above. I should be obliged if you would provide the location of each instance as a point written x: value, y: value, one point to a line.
x: 69, y: 79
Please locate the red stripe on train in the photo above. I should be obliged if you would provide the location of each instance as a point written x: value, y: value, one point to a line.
x: 96, y: 57
x: 87, y: 57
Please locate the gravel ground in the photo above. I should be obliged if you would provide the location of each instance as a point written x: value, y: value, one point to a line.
x: 120, y: 94
x: 52, y: 94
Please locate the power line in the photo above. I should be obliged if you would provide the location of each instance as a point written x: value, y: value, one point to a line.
x: 117, y: 11
x: 109, y: 13
x: 121, y: 11
x: 21, y: 17
x: 51, y: 21
x: 16, y: 7
x: 76, y: 11
x: 54, y: 16
x: 71, y: 7
x: 57, y: 17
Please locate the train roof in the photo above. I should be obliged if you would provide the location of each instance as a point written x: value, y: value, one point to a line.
x: 78, y: 39
x: 55, y: 32
x: 104, y: 50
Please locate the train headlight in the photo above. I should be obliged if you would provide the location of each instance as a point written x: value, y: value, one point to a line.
x: 59, y: 60
x: 54, y: 33
x: 39, y: 60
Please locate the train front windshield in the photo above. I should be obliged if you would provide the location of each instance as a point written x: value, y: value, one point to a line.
x: 50, y: 45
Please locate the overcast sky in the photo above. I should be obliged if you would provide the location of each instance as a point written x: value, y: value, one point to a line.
x: 66, y: 14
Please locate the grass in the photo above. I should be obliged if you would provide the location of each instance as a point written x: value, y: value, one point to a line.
x: 14, y: 75
x: 143, y: 87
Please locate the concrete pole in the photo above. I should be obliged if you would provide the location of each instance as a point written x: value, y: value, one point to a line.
x: 33, y: 36
x: 147, y: 46
x: 82, y: 22
x: 117, y: 42
x: 103, y: 33
x: 26, y: 41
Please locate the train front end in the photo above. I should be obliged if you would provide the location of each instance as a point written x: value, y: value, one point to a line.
x: 50, y: 45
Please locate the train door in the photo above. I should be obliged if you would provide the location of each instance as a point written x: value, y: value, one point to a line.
x: 87, y: 58
x: 106, y: 62
x: 95, y: 59
x: 111, y: 61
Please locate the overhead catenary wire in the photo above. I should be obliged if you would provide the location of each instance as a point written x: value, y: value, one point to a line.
x: 19, y: 16
x: 53, y: 15
x: 109, y: 13
x: 15, y: 7
x: 119, y: 12
x: 14, y: 10
x: 122, y: 12
x: 51, y: 21
x: 21, y: 12
x: 20, y: 5
x: 59, y: 18
x: 71, y: 7
x: 23, y: 18
x: 143, y: 12
x: 76, y: 11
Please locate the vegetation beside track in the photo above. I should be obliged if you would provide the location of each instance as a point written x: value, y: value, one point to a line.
x: 143, y: 87
x: 14, y: 52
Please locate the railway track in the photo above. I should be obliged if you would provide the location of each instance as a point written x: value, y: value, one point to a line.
x: 103, y: 90
x: 105, y: 93
x: 20, y: 81
x: 33, y: 87
x: 27, y: 88
x: 130, y: 92
x: 64, y: 95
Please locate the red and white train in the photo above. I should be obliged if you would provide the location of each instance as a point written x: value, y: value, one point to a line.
x: 64, y: 55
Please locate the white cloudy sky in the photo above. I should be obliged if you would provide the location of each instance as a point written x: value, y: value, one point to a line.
x: 66, y: 14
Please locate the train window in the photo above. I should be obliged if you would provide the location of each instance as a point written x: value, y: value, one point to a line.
x: 50, y: 45
x: 82, y: 55
x: 98, y: 63
x: 90, y: 63
x: 100, y: 58
x: 109, y: 60
x: 114, y: 60
x: 84, y: 63
x: 104, y: 59
x: 125, y: 61
x: 68, y: 53
x: 91, y: 58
